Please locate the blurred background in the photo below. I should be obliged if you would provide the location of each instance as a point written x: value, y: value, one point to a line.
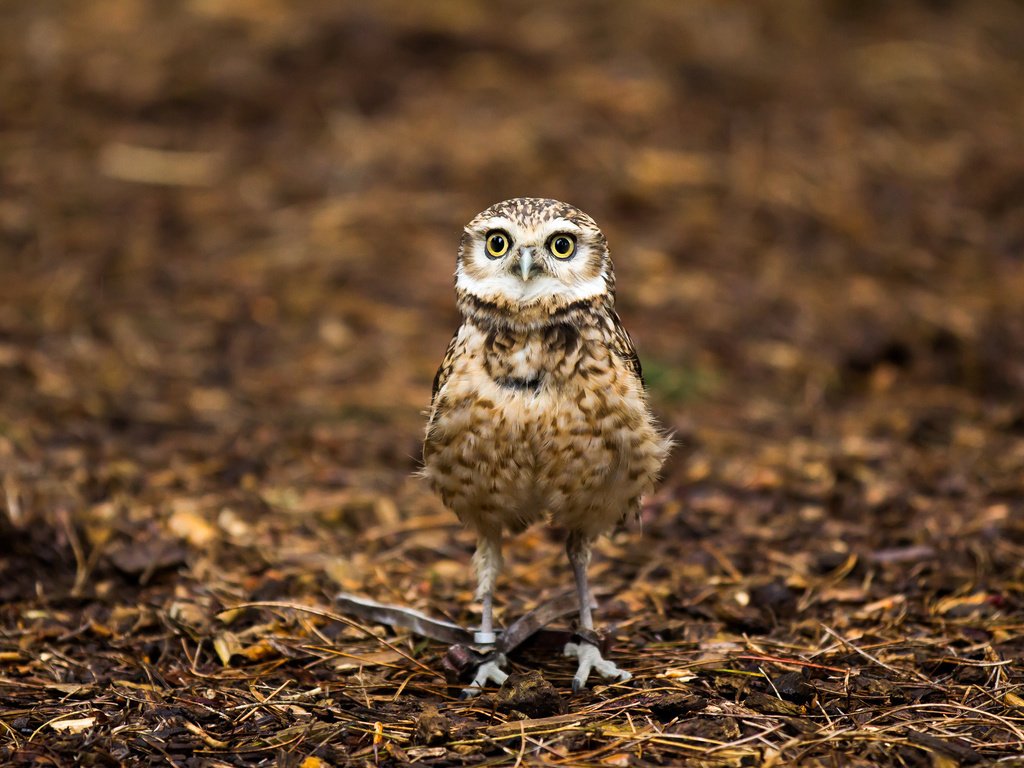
x: 227, y: 238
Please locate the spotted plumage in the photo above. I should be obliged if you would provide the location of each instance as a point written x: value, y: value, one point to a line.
x: 538, y: 410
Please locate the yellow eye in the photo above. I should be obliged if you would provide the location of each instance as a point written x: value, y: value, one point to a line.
x: 562, y: 246
x: 497, y: 244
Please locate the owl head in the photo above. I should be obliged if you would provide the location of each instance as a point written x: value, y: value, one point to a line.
x: 530, y: 258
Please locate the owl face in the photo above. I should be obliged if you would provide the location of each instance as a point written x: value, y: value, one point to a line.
x: 526, y: 252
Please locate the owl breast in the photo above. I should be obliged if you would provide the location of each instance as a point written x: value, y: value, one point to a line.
x: 547, y: 423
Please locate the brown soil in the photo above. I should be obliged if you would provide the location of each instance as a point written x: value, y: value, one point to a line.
x: 227, y: 233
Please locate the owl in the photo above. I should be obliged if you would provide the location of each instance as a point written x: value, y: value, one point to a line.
x: 538, y: 410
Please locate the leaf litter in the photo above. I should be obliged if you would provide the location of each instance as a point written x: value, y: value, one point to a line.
x: 228, y: 231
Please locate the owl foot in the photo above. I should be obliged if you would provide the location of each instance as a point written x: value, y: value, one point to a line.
x: 489, y: 671
x: 590, y: 658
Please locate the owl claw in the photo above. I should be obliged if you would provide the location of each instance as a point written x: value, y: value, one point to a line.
x: 590, y: 658
x: 489, y: 671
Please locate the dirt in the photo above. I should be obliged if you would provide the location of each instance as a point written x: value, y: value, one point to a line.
x: 227, y: 237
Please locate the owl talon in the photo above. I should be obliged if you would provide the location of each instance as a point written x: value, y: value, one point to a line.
x: 590, y: 658
x: 489, y: 671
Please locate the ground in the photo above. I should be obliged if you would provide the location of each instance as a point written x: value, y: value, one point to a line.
x: 227, y: 236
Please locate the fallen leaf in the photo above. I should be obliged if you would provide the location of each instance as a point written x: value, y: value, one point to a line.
x: 227, y: 645
x: 193, y: 527
x: 73, y: 725
x: 1011, y: 699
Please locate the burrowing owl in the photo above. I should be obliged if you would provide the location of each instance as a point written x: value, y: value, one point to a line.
x: 538, y: 409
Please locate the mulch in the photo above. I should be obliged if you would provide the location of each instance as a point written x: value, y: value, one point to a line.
x: 227, y: 235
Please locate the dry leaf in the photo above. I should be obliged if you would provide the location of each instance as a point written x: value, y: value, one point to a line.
x: 190, y: 525
x: 1011, y: 699
x: 227, y: 646
x: 73, y: 725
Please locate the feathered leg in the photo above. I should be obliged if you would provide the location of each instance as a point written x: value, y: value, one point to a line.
x: 589, y: 655
x: 488, y: 564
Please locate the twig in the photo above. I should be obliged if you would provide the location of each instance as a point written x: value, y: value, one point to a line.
x: 794, y: 662
x: 873, y: 659
x: 522, y: 745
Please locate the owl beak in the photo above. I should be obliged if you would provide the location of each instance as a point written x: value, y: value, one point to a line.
x: 525, y: 264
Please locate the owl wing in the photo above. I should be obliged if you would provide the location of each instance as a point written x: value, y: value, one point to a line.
x: 622, y: 345
x: 445, y: 370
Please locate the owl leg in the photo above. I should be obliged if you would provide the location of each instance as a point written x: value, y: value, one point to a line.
x: 586, y: 651
x: 488, y: 563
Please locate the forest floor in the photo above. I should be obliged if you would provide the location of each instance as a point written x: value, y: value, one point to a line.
x: 227, y: 236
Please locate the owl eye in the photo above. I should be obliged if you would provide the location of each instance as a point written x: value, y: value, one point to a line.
x: 562, y: 246
x: 497, y: 244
